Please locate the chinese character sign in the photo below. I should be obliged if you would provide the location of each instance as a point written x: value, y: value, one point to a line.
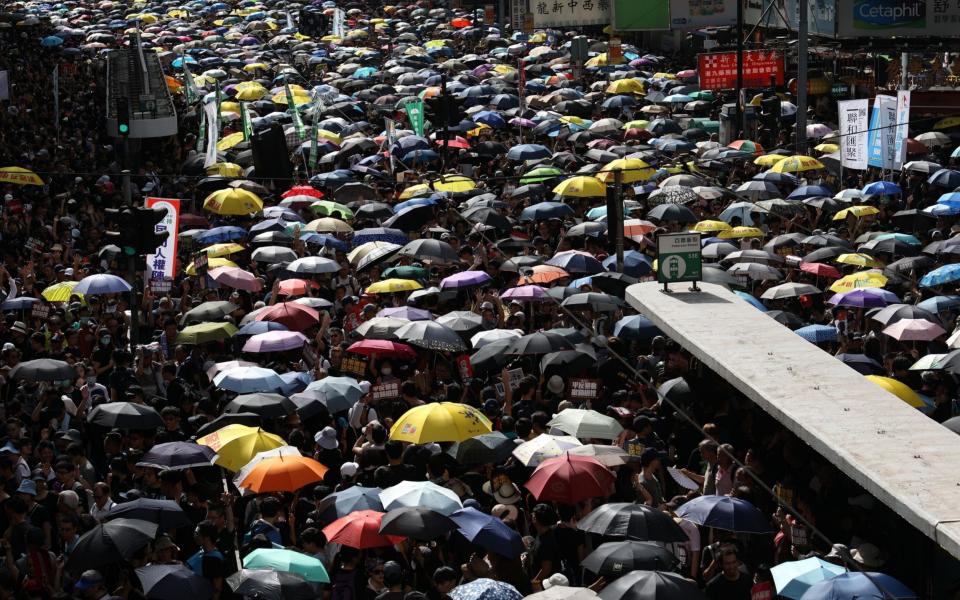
x: 718, y: 70
x: 901, y: 129
x: 691, y: 14
x: 880, y: 139
x: 567, y: 13
x: 854, y: 125
x: 163, y: 262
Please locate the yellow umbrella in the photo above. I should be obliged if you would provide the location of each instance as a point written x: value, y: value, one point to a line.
x: 236, y: 445
x: 258, y: 66
x: 858, y: 211
x: 768, y: 160
x: 331, y: 38
x: 581, y: 187
x: 435, y: 44
x: 504, y: 69
x: 328, y: 225
x: 250, y: 91
x: 599, y: 60
x: 858, y: 259
x: 454, y: 184
x: 625, y: 86
x: 636, y: 124
x: 797, y: 164
x: 59, y: 292
x: 230, y: 106
x: 711, y: 226
x: 203, y: 333
x: 178, y: 13
x: 740, y: 232
x: 477, y: 130
x: 233, y: 201
x: 633, y: 170
x: 218, y: 250
x: 898, y: 389
x: 323, y: 134
x: 225, y: 169
x: 415, y: 191
x: 300, y: 97
x: 393, y: 286
x: 212, y: 263
x: 573, y: 120
x: 664, y: 76
x: 827, y: 148
x: 440, y: 422
x: 19, y: 176
x: 863, y: 279
x: 230, y: 141
x: 947, y: 123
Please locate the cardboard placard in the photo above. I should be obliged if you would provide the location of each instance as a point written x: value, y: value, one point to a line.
x: 584, y: 388
x: 200, y: 263
x: 354, y: 365
x: 464, y: 366
x: 386, y: 391
x: 40, y: 310
x: 160, y: 285
x: 34, y: 244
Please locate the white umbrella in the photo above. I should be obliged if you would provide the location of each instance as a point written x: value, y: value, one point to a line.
x: 542, y: 447
x: 608, y: 456
x: 424, y: 494
x: 586, y: 424
x: 479, y: 340
x: 789, y: 290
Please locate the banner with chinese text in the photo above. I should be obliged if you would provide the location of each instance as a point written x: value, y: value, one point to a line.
x: 163, y: 262
x: 854, y: 126
x: 569, y: 13
x: 718, y: 70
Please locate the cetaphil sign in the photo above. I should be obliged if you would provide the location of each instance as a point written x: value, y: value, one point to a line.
x: 907, y: 18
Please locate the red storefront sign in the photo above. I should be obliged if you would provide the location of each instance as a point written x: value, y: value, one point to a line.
x: 718, y: 70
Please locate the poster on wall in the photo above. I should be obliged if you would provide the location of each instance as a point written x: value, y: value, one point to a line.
x: 693, y: 14
x: 901, y: 18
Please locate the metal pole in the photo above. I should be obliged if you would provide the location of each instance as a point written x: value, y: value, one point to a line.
x: 446, y: 127
x: 741, y: 113
x: 801, y: 132
x: 618, y: 182
x: 131, y: 271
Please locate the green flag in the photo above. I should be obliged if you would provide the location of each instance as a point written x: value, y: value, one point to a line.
x: 313, y: 145
x: 414, y: 110
x: 192, y: 92
x: 297, y: 121
x: 203, y: 126
x: 219, y: 117
x: 247, y: 125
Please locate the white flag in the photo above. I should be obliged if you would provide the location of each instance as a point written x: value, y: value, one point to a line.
x: 854, y: 126
x: 903, y: 125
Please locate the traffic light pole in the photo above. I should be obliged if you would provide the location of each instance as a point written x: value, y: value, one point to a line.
x: 801, y: 132
x: 741, y: 111
x: 618, y: 182
x: 132, y: 272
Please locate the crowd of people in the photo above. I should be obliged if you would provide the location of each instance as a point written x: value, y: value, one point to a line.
x: 410, y: 370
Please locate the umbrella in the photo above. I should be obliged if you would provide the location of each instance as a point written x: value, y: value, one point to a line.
x: 440, y: 422
x: 635, y: 327
x: 360, y: 530
x: 166, y: 514
x: 177, y: 456
x: 381, y: 328
x: 464, y: 279
x: 283, y: 474
x: 584, y: 424
x: 570, y: 479
x: 421, y: 493
x: 485, y: 589
x: 608, y: 456
x: 267, y: 584
x: 614, y: 559
x: 859, y: 586
x: 101, y: 284
x: 818, y: 334
x: 652, y: 585
x: 432, y: 336
x: 633, y: 521
x: 416, y: 523
x: 248, y: 379
x: 296, y: 317
x: 795, y: 577
x: 208, y: 311
x: 789, y: 290
x: 204, y: 333
x: 533, y: 452
x: 44, y: 369
x: 914, y: 330
x: 725, y: 512
x: 493, y: 447
x: 248, y: 419
x: 564, y: 592
x: 125, y: 415
x: 383, y: 348
x: 541, y: 342
x: 235, y: 445
x: 488, y: 532
x: 941, y: 276
x: 109, y: 543
x: 864, y: 298
x: 356, y: 498
x: 290, y: 561
x: 173, y: 582
x: 340, y: 392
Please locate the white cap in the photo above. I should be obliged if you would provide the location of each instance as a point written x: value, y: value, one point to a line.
x: 68, y: 272
x: 555, y: 579
x: 327, y: 438
x: 365, y: 386
x: 349, y: 469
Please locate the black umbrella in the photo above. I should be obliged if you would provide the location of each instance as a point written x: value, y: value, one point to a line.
x: 208, y: 311
x: 672, y: 212
x: 592, y: 301
x: 541, y: 342
x: 614, y: 559
x: 491, y: 357
x: 913, y: 220
x: 167, y: 514
x: 889, y: 246
x: 431, y: 251
x: 411, y: 218
x: 825, y: 254
x: 268, y: 406
x: 177, y: 456
x: 432, y: 336
x: 633, y: 521
x: 568, y: 362
x: 267, y: 584
x: 310, y: 403
x: 861, y: 363
x: 248, y: 419
x: 786, y: 318
x: 485, y: 215
x: 378, y: 211
x: 904, y: 266
x: 464, y: 322
x: 485, y: 448
x: 652, y: 585
x: 676, y: 389
x: 352, y: 192
x: 416, y: 522
x: 125, y: 415
x: 110, y: 543
x: 173, y: 582
x: 44, y: 369
x: 889, y: 315
x: 613, y: 283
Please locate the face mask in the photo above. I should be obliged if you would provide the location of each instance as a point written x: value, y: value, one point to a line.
x: 386, y: 371
x: 105, y: 340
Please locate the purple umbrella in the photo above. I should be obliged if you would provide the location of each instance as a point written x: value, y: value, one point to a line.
x: 464, y: 279
x: 406, y: 312
x: 864, y: 298
x: 275, y: 341
x: 521, y: 122
x: 526, y: 293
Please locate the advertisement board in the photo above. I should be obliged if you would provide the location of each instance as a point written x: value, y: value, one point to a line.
x: 693, y: 14
x: 718, y: 70
x: 902, y: 127
x: 554, y: 13
x: 648, y: 15
x: 785, y: 14
x: 888, y: 18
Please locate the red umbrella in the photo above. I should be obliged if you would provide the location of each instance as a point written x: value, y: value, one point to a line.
x: 821, y: 270
x: 916, y: 147
x: 303, y: 190
x: 192, y: 221
x: 383, y: 348
x: 296, y: 317
x: 359, y: 529
x: 457, y: 142
x: 295, y: 287
x: 570, y: 478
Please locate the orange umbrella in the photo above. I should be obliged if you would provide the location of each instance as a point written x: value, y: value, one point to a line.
x: 460, y: 23
x: 283, y: 474
x: 633, y: 227
x: 296, y: 287
x: 359, y: 529
x: 543, y: 274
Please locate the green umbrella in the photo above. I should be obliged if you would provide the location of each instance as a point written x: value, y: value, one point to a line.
x: 540, y: 175
x: 328, y: 208
x: 202, y: 333
x: 308, y: 567
x: 701, y: 95
x: 405, y: 272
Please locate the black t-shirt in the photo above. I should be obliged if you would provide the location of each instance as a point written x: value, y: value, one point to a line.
x: 721, y: 588
x: 546, y: 548
x: 569, y: 541
x: 102, y: 356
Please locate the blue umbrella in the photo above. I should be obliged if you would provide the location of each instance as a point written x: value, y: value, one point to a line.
x: 635, y: 264
x: 101, y: 284
x: 881, y: 188
x: 19, y: 303
x: 939, y: 303
x: 949, y: 199
x: 576, y: 262
x: 246, y: 380
x: 945, y: 178
x: 817, y: 334
x: 218, y: 235
x: 488, y: 532
x: 942, y: 210
x: 528, y: 152
x: 257, y: 327
x: 51, y: 41
x: 724, y: 512
x: 364, y: 73
x: 794, y: 578
x: 178, y: 63
x: 671, y: 145
x: 810, y: 191
x: 429, y: 201
x: 341, y: 504
x: 333, y: 179
x: 485, y: 589
x: 739, y: 210
x: 488, y: 117
x: 939, y: 276
x: 543, y: 211
x: 636, y: 327
x: 294, y: 382
x: 380, y: 234
x: 858, y: 586
x: 751, y: 300
x: 420, y: 157
x: 341, y: 392
x: 618, y: 102
x: 270, y: 225
x: 325, y: 240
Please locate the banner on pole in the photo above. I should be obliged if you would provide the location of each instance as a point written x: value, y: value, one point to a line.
x: 390, y: 127
x: 212, y: 111
x: 338, y: 27
x: 880, y: 140
x: 4, y: 85
x: 247, y: 123
x: 162, y: 264
x: 56, y: 97
x: 854, y: 126
x: 901, y: 129
x: 414, y: 109
x: 292, y: 105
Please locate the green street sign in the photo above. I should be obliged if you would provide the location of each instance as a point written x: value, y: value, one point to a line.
x: 679, y: 257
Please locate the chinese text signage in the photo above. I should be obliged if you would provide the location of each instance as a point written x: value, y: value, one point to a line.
x: 565, y: 13
x: 679, y: 257
x: 163, y: 262
x: 718, y: 70
x: 691, y: 14
x: 854, y: 125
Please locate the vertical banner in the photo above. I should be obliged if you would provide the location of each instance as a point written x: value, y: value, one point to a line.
x: 414, y: 109
x: 390, y: 127
x: 338, y: 27
x: 56, y: 98
x: 880, y: 140
x: 292, y: 105
x: 192, y: 92
x: 4, y: 85
x: 290, y: 24
x: 902, y: 129
x: 212, y: 111
x: 314, y: 152
x: 218, y: 99
x: 245, y: 119
x: 203, y: 128
x: 854, y: 126
x: 163, y: 262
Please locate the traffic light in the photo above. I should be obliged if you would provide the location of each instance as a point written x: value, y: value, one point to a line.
x: 136, y: 231
x: 123, y: 116
x: 313, y: 23
x: 444, y: 110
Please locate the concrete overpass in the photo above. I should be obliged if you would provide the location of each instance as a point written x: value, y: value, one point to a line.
x: 900, y: 456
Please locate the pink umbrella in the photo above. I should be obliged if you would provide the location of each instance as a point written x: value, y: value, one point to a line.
x: 526, y: 293
x: 275, y: 341
x: 914, y: 330
x: 236, y: 277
